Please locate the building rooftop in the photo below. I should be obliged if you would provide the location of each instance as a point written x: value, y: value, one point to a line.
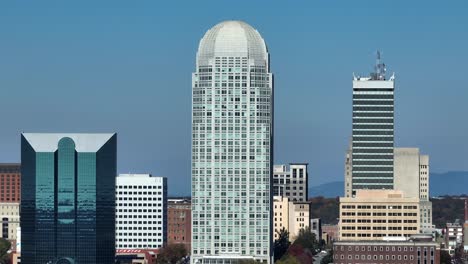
x: 48, y: 142
x: 232, y: 38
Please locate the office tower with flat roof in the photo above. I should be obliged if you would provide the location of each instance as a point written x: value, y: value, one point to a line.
x: 10, y: 182
x: 141, y: 211
x: 68, y: 198
x: 232, y: 147
x: 291, y: 181
x: 411, y: 175
x: 377, y: 214
x: 373, y: 137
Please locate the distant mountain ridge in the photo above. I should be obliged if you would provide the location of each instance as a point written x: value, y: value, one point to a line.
x: 448, y: 183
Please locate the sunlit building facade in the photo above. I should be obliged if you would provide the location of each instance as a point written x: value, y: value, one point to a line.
x: 232, y: 147
x: 141, y: 211
x: 68, y: 198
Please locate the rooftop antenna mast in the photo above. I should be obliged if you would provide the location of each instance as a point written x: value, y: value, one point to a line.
x: 380, y: 69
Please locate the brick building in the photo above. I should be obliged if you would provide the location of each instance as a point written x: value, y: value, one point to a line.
x: 383, y: 252
x: 330, y: 233
x: 10, y: 182
x: 179, y: 222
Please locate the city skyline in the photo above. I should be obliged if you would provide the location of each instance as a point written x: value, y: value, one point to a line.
x: 312, y: 75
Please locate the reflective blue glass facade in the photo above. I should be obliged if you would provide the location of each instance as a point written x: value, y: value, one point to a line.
x: 68, y: 198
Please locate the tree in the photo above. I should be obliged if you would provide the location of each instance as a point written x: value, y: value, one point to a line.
x: 445, y: 257
x: 5, y: 246
x: 171, y: 254
x: 458, y: 256
x: 328, y: 258
x: 307, y: 240
x: 281, y: 244
x: 288, y: 260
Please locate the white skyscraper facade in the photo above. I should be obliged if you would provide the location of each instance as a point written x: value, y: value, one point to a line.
x: 141, y: 211
x: 232, y: 147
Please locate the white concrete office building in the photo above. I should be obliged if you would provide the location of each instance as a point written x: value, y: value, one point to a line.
x: 411, y: 175
x: 10, y: 220
x: 373, y: 134
x: 141, y: 211
x: 232, y: 147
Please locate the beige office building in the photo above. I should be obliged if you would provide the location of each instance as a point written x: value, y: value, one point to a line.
x: 411, y: 175
x: 293, y: 216
x: 377, y: 214
x: 9, y: 214
x: 280, y: 215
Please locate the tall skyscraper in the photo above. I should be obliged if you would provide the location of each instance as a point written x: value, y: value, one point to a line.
x: 141, y: 211
x: 372, y: 142
x: 232, y: 146
x: 68, y: 198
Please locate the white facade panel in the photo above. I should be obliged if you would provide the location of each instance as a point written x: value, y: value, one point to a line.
x: 141, y: 211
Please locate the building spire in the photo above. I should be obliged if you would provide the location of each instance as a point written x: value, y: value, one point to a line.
x: 379, y: 69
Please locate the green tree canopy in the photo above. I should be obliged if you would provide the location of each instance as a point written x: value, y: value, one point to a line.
x: 171, y: 254
x: 445, y: 257
x: 307, y: 240
x: 288, y: 260
x: 5, y: 245
x: 281, y: 244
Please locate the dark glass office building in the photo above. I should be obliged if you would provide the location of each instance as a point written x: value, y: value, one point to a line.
x: 373, y: 130
x: 68, y: 198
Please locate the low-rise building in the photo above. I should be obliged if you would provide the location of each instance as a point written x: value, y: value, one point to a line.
x: 330, y: 233
x: 10, y: 218
x: 374, y: 214
x: 135, y: 256
x: 316, y: 228
x: 453, y: 236
x: 179, y: 222
x: 293, y: 216
x: 386, y: 251
x: 15, y: 258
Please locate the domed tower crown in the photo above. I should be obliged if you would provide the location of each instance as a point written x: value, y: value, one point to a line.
x: 233, y: 39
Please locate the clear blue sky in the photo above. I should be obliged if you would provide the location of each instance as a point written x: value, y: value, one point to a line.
x: 125, y: 66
